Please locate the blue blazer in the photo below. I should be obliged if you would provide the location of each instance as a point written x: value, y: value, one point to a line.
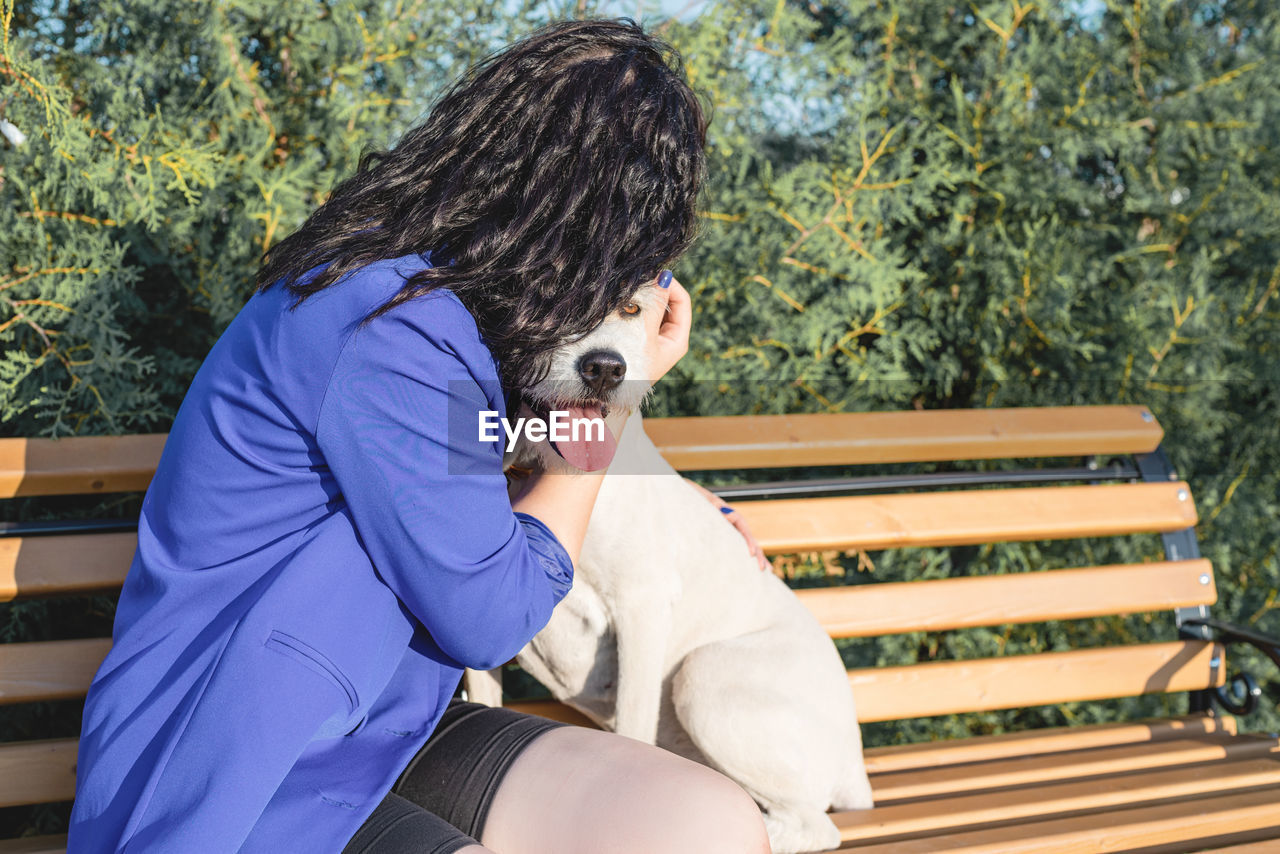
x: 325, y: 545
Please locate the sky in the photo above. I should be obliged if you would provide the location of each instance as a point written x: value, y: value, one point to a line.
x: 688, y: 9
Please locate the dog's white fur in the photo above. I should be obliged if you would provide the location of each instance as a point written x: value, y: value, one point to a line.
x: 671, y: 633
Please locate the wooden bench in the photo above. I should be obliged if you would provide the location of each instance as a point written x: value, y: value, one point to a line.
x: 1182, y: 783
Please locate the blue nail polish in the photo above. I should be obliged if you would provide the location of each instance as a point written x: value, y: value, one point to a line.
x: 664, y: 280
x: 726, y: 509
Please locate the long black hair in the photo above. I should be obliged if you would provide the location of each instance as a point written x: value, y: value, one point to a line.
x: 558, y: 175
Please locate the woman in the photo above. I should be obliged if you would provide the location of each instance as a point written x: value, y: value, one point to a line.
x: 325, y: 545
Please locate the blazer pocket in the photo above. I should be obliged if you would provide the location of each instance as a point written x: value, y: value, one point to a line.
x: 309, y: 656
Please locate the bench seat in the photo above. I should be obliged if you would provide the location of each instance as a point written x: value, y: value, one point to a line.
x: 1180, y: 784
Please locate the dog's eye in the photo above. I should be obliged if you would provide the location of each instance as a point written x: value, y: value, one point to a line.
x: 631, y: 309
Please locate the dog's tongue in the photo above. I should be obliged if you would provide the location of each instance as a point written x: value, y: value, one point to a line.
x: 585, y: 449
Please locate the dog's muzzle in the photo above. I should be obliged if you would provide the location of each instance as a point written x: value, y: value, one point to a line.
x: 602, y: 371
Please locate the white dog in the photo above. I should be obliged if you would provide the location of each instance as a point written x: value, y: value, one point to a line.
x: 672, y: 634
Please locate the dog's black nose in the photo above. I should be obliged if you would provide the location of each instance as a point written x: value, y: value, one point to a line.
x: 602, y: 370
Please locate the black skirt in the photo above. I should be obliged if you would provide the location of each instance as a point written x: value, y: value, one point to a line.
x: 440, y: 802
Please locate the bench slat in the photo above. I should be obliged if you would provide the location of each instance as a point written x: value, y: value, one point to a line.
x: 64, y: 564
x: 56, y: 844
x: 1211, y: 818
x: 78, y: 464
x: 37, y: 772
x: 949, y: 687
x: 53, y: 762
x: 49, y: 670
x: 1268, y: 846
x: 1009, y: 745
x: 1021, y: 802
x: 1184, y: 825
x: 83, y: 563
x: 764, y: 441
x: 871, y: 610
x: 553, y: 710
x: 103, y: 464
x: 968, y: 517
x: 939, y: 754
x: 1026, y: 770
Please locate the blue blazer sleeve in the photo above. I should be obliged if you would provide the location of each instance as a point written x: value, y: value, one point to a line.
x: 398, y: 429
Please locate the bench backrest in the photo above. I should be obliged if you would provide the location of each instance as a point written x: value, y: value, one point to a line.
x: 1082, y: 502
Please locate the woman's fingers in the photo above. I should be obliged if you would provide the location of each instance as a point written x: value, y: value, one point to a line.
x: 670, y: 335
x: 679, y: 318
x: 655, y: 321
x: 753, y: 546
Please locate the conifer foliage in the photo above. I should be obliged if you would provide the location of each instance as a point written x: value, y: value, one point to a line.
x: 156, y: 149
x: 941, y: 204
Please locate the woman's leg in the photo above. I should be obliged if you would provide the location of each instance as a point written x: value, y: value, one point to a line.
x: 574, y: 790
x: 521, y: 784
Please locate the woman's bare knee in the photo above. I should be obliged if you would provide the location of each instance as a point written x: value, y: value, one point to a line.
x: 576, y: 791
x: 727, y: 820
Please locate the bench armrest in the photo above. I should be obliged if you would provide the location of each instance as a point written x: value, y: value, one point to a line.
x: 1240, y: 695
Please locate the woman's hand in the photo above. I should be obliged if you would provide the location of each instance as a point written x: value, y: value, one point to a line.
x: 737, y: 521
x: 668, y: 336
x: 668, y: 342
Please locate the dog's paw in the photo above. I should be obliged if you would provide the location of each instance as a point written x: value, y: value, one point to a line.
x: 794, y: 832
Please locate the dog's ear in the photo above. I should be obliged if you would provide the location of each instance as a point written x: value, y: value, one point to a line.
x: 516, y: 476
x: 521, y: 459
